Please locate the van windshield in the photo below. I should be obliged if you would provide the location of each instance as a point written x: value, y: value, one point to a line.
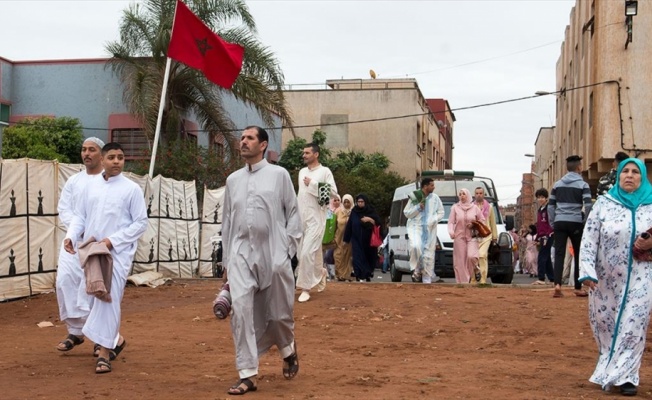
x: 447, y: 211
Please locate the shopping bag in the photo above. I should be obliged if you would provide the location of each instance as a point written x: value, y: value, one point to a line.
x: 376, y: 241
x: 329, y: 231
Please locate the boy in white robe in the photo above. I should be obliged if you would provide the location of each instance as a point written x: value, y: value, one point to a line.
x: 112, y: 211
x: 261, y: 229
x: 71, y: 296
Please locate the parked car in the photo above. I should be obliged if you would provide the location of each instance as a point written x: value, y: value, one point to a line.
x: 447, y: 185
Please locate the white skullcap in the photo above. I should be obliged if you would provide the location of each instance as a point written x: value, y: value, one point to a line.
x: 95, y: 140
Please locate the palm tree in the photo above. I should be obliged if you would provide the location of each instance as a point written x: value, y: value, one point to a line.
x: 139, y: 60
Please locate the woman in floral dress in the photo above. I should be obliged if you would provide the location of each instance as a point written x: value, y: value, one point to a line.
x: 620, y: 286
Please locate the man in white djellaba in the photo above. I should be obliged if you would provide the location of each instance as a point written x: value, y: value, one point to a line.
x: 112, y: 210
x: 261, y: 229
x: 71, y: 295
x: 316, y: 188
x: 423, y: 211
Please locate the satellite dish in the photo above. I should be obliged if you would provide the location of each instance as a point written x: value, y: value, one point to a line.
x: 372, y: 74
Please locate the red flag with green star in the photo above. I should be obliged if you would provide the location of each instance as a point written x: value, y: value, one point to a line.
x: 194, y: 44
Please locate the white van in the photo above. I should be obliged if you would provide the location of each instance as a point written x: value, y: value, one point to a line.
x: 447, y: 185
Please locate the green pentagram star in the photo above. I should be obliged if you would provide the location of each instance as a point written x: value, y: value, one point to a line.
x: 202, y: 45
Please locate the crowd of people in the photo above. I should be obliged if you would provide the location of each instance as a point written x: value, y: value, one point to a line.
x: 607, y: 245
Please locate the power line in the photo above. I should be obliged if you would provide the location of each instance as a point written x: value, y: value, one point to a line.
x: 477, y: 61
x: 562, y: 92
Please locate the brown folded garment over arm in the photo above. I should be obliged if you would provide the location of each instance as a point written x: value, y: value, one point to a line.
x: 96, y: 260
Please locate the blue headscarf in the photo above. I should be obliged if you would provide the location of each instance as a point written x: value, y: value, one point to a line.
x: 642, y: 195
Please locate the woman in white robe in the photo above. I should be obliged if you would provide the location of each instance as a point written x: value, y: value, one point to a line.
x: 621, y: 287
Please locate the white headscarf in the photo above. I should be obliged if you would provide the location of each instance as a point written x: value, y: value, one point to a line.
x: 350, y: 199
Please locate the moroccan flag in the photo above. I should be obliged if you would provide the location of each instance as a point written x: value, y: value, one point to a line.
x: 195, y: 45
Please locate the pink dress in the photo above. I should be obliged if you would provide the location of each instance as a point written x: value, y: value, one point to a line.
x: 531, y: 254
x: 465, y: 246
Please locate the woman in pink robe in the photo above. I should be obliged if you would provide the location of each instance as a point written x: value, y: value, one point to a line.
x: 465, y: 246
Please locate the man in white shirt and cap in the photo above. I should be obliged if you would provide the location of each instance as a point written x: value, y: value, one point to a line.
x: 71, y: 294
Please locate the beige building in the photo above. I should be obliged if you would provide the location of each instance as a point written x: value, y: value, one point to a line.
x: 603, y: 91
x: 377, y: 115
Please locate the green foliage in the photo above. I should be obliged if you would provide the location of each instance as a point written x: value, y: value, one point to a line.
x: 352, y: 159
x: 376, y: 183
x: 185, y: 161
x: 354, y: 171
x: 319, y: 138
x: 44, y: 138
x: 291, y: 157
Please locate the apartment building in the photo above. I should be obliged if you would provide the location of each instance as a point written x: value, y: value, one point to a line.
x: 377, y: 115
x: 604, y: 75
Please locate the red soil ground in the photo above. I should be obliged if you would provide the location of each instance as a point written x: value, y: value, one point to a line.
x: 364, y: 341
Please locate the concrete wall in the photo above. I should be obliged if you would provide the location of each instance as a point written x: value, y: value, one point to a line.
x: 400, y: 139
x: 78, y: 89
x: 542, y: 165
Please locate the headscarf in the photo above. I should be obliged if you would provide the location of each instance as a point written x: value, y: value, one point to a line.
x: 331, y: 204
x: 95, y: 140
x: 350, y: 199
x: 469, y: 201
x: 367, y: 209
x: 642, y: 195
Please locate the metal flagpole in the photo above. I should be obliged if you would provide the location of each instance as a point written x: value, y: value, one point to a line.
x: 160, y: 117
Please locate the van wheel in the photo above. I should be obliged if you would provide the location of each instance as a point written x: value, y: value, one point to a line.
x: 503, y: 278
x: 508, y: 277
x: 396, y: 276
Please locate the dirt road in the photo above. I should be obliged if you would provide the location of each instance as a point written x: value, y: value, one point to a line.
x: 363, y: 341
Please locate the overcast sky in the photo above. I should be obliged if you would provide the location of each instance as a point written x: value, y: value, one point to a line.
x: 468, y: 52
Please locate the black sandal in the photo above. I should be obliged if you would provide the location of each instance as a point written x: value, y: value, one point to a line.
x: 113, y: 354
x: 238, y: 390
x: 102, y: 366
x: 292, y: 362
x: 70, y: 342
x: 96, y: 350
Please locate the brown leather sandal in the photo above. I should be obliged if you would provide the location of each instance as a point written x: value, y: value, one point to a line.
x: 70, y: 342
x: 291, y: 364
x: 238, y: 390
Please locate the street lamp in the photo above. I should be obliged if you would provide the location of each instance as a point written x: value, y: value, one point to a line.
x: 631, y: 9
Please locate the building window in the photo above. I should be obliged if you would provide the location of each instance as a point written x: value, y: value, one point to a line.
x: 590, y: 110
x: 336, y: 127
x: 582, y: 123
x: 219, y: 149
x: 418, y: 138
x: 133, y: 141
x: 5, y: 112
x: 191, y: 137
